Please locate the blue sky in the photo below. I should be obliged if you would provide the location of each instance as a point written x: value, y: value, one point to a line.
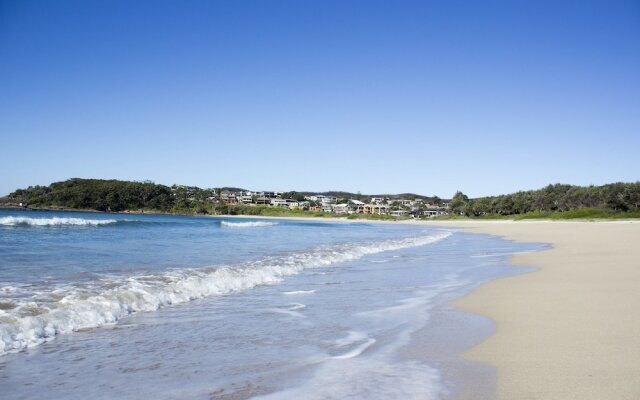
x: 376, y: 97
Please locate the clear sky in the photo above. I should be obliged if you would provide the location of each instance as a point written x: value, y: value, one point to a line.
x: 377, y: 97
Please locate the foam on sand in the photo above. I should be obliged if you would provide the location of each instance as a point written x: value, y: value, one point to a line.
x: 371, y: 369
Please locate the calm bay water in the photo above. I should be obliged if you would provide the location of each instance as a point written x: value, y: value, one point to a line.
x: 138, y: 306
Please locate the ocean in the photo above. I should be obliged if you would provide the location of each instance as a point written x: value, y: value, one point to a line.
x: 131, y: 306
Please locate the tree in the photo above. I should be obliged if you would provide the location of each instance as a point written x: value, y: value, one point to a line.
x: 459, y: 203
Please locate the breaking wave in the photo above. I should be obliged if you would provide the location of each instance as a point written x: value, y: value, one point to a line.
x: 55, y: 221
x: 251, y: 224
x: 72, y: 308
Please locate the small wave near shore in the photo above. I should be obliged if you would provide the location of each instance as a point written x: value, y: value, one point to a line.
x: 71, y: 308
x: 54, y: 221
x: 249, y: 224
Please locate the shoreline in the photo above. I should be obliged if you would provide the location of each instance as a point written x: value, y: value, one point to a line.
x: 337, y: 217
x: 569, y: 329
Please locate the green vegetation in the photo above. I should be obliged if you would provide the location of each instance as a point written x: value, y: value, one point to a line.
x: 265, y: 211
x: 616, y: 200
x: 582, y: 213
x: 117, y: 196
x: 96, y: 194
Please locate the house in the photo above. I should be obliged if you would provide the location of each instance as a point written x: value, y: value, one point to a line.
x: 279, y: 202
x: 322, y: 199
x: 356, y: 206
x: 341, y: 208
x: 229, y: 198
x: 285, y: 203
x: 375, y: 209
x: 399, y: 213
x: 434, y: 212
x: 245, y: 199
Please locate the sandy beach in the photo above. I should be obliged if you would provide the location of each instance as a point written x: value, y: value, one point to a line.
x: 571, y: 329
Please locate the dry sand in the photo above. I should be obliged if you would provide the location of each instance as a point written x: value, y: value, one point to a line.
x: 570, y: 330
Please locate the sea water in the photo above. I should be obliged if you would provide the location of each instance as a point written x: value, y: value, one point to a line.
x: 133, y: 306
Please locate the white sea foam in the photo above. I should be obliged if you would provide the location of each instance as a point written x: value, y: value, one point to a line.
x: 351, y: 338
x: 371, y: 378
x: 106, y: 301
x: 375, y: 372
x: 296, y: 306
x: 250, y: 224
x: 291, y: 309
x: 500, y: 254
x: 55, y: 221
x: 357, y: 351
x: 296, y: 292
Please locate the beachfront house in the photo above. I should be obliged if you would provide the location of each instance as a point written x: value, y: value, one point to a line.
x: 244, y: 199
x: 340, y: 208
x: 399, y: 213
x: 356, y: 206
x: 229, y: 198
x: 375, y: 209
x: 285, y: 203
x: 434, y: 212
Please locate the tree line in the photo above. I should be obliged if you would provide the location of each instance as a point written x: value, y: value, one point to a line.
x: 115, y: 195
x: 616, y: 197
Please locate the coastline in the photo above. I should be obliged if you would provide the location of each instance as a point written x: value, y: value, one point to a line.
x: 570, y: 329
x: 565, y: 331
